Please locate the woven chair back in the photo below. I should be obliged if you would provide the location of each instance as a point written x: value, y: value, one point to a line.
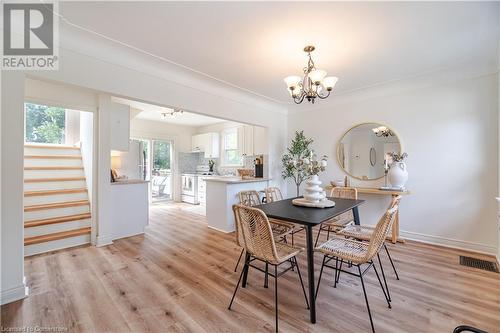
x: 249, y: 198
x: 273, y: 194
x: 381, y: 230
x: 254, y: 229
x: 345, y: 193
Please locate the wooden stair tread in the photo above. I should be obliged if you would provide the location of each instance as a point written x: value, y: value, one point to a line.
x: 76, y: 157
x: 50, y: 146
x: 43, y: 180
x: 60, y: 219
x: 56, y: 205
x: 56, y: 236
x: 54, y: 168
x: 54, y: 192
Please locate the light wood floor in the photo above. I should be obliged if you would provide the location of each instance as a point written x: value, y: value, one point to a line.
x: 179, y: 277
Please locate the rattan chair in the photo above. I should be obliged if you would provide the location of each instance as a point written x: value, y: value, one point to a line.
x: 254, y: 230
x: 338, y: 222
x: 280, y: 228
x: 274, y: 194
x: 364, y: 233
x: 356, y: 254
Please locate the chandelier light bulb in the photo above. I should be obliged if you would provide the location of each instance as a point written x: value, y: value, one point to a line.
x: 317, y: 76
x: 292, y: 81
x: 329, y: 82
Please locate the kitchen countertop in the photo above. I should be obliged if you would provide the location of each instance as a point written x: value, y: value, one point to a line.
x: 130, y: 181
x: 235, y: 180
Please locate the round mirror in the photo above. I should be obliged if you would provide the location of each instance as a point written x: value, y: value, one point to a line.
x: 362, y: 150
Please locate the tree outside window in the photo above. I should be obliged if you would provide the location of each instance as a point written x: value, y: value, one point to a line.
x: 45, y: 124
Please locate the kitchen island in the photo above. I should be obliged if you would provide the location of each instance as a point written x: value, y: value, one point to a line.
x: 222, y: 194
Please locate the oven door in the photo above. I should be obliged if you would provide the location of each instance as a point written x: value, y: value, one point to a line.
x: 188, y: 185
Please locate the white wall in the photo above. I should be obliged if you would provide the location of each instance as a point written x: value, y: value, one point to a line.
x: 450, y: 131
x: 12, y: 228
x: 178, y: 134
x: 86, y: 134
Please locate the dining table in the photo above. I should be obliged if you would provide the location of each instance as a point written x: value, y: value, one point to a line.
x: 309, y: 217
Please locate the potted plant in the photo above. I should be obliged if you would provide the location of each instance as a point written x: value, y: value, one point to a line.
x: 293, y: 161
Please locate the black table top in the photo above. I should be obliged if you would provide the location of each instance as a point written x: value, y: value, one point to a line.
x: 285, y: 210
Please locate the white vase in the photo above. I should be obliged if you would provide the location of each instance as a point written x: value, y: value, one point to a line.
x: 398, y: 175
x: 313, y: 192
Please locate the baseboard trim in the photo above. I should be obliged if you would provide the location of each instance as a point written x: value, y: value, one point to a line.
x: 220, y: 230
x: 14, y: 294
x: 451, y: 243
x: 103, y: 241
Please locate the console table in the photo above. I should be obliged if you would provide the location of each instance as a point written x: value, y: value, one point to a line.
x: 375, y: 191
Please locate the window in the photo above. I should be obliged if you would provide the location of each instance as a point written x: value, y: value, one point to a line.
x: 45, y: 124
x: 231, y: 154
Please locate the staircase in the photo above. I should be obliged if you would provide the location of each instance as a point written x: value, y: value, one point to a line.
x: 56, y: 202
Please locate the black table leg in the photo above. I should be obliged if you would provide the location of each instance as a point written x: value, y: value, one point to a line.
x: 355, y: 212
x: 245, y: 271
x: 310, y: 273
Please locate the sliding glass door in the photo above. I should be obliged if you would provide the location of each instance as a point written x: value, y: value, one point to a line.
x: 161, y: 180
x: 156, y: 166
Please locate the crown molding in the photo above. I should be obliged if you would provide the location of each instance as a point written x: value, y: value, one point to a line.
x: 431, y: 78
x: 85, y: 42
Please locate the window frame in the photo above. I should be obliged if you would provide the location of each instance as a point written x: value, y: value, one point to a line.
x: 224, y: 150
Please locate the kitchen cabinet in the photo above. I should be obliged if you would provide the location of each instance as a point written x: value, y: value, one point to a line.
x: 253, y: 140
x: 260, y: 141
x: 120, y: 127
x: 208, y: 143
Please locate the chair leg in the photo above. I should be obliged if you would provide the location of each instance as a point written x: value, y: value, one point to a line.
x: 292, y: 238
x: 319, y: 279
x: 337, y: 274
x: 239, y: 259
x: 328, y: 234
x: 336, y: 270
x: 387, y: 298
x: 236, y: 289
x: 266, y: 276
x: 366, y: 298
x: 317, y: 237
x: 392, y: 263
x: 301, y: 282
x: 276, y: 294
x: 383, y: 276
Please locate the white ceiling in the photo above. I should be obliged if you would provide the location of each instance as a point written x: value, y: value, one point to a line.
x: 254, y: 45
x: 152, y: 112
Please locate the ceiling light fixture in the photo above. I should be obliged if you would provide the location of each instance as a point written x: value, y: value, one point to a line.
x: 382, y: 131
x: 172, y: 112
x: 314, y: 84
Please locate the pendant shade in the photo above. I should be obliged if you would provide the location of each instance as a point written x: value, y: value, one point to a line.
x: 330, y: 81
x: 317, y: 76
x: 292, y: 81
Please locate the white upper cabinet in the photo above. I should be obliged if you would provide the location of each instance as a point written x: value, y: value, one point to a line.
x: 120, y: 127
x: 247, y: 144
x: 208, y: 143
x: 260, y: 141
x: 253, y: 140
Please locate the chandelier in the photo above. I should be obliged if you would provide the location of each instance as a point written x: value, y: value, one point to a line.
x: 382, y: 131
x: 172, y: 112
x: 314, y: 84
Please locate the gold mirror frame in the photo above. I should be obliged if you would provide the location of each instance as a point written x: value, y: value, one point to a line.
x: 353, y: 127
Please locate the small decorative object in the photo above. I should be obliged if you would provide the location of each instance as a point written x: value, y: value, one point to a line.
x: 398, y: 174
x: 315, y: 196
x: 313, y: 85
x: 373, y: 156
x: 211, y: 164
x: 172, y: 112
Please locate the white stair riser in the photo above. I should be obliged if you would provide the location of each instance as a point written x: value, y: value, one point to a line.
x: 55, y: 227
x: 47, y: 199
x: 55, y: 212
x: 49, y: 151
x: 56, y: 244
x: 54, y: 185
x: 42, y: 162
x: 28, y: 174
